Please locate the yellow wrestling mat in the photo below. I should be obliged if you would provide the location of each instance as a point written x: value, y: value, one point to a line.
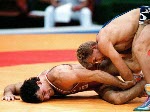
x: 9, y: 74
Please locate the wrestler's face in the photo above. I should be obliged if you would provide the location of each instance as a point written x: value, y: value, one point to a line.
x: 45, y: 92
x: 96, y: 57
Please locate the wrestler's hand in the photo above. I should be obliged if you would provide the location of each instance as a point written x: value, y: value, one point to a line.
x: 128, y: 84
x: 138, y: 76
x: 10, y: 97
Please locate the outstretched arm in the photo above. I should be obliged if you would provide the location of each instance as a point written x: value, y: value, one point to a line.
x: 10, y: 91
x: 85, y: 75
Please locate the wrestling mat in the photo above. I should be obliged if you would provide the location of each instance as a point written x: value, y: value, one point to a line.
x: 26, y: 55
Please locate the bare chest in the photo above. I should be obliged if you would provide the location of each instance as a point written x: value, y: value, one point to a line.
x: 123, y: 45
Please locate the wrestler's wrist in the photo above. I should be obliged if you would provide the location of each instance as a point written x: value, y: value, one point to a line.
x: 138, y: 78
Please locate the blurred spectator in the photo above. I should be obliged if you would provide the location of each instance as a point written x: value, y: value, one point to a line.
x: 12, y: 8
x: 79, y: 11
x: 22, y: 6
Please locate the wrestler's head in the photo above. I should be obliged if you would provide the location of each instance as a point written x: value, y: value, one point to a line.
x: 88, y: 54
x: 29, y: 89
x: 35, y: 91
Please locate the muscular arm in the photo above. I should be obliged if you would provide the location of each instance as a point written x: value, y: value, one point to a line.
x: 10, y: 91
x: 116, y: 96
x: 85, y: 75
x: 115, y: 57
x: 117, y: 60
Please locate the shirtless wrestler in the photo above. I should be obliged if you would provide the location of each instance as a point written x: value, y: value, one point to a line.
x: 127, y: 32
x: 72, y: 78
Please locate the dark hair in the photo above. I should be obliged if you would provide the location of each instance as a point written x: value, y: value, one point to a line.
x: 84, y: 51
x: 28, y: 90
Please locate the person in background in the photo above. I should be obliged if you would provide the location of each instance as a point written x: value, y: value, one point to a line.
x: 80, y: 12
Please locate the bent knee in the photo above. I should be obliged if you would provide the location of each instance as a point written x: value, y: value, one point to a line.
x: 116, y: 99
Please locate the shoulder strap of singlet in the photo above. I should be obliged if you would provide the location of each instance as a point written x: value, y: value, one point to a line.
x: 60, y: 90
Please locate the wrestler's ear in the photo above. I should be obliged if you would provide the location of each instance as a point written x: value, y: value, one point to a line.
x: 38, y: 82
x: 94, y: 47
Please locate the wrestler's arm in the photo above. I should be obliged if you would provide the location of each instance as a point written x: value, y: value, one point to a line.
x: 115, y: 57
x: 118, y: 97
x: 85, y: 75
x: 10, y: 91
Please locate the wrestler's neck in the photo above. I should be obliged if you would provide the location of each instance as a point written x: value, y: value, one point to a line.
x: 46, y: 83
x: 43, y: 78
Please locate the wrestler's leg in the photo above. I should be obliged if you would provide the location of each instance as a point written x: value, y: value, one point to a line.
x: 116, y: 96
x: 141, y: 50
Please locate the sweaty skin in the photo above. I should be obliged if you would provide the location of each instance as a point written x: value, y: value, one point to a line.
x: 107, y: 65
x: 119, y: 37
x: 60, y: 76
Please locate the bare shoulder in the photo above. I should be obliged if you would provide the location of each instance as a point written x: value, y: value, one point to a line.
x: 129, y: 16
x: 60, y: 71
x: 108, y: 33
x: 122, y: 26
x: 77, y: 66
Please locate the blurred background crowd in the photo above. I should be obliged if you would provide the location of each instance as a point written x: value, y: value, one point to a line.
x: 18, y: 13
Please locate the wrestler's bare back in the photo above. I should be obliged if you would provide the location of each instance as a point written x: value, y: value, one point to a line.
x: 120, y: 31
